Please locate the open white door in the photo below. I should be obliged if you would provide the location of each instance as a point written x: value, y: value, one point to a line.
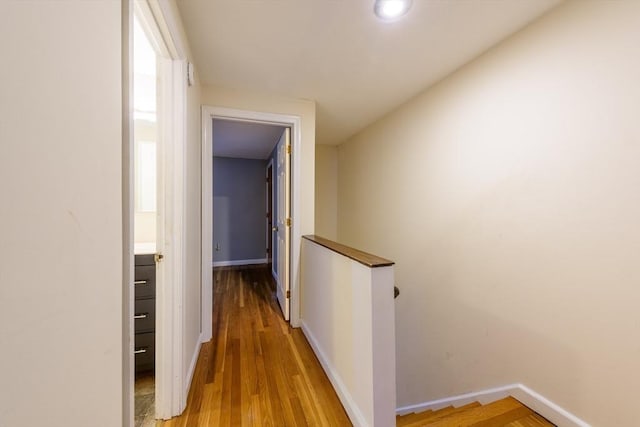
x: 170, y: 377
x: 283, y: 223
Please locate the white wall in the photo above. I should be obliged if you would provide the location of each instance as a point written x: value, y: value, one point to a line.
x: 508, y: 196
x: 145, y: 227
x: 327, y: 191
x: 60, y: 215
x: 144, y: 230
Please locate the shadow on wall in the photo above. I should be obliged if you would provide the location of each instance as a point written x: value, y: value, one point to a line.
x: 454, y: 366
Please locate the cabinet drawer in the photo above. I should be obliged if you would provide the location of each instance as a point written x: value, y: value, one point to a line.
x: 145, y: 281
x: 148, y: 259
x: 145, y: 351
x: 145, y: 315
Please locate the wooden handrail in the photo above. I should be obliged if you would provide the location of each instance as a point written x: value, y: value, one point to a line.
x: 364, y: 258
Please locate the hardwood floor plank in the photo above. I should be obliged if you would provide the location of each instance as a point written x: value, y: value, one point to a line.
x: 205, y: 412
x: 310, y: 409
x: 502, y: 420
x: 256, y: 416
x: 304, y: 387
x: 299, y: 418
x: 404, y: 420
x: 531, y: 420
x: 236, y: 386
x: 225, y: 395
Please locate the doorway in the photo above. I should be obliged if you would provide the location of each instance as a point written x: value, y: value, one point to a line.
x: 156, y: 181
x: 245, y: 201
x: 209, y: 114
x: 147, y: 218
x: 269, y: 215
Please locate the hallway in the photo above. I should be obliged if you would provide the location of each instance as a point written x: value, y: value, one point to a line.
x: 256, y: 371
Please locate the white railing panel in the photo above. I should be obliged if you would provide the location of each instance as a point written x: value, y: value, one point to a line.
x: 348, y: 316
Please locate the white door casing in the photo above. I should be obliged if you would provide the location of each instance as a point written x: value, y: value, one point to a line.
x: 292, y: 121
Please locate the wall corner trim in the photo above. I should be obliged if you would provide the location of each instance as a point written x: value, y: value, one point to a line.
x: 524, y: 394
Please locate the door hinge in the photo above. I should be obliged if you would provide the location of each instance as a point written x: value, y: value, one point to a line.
x: 288, y: 149
x: 288, y: 222
x: 288, y: 294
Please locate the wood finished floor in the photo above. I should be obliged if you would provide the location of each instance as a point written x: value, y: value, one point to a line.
x: 257, y: 371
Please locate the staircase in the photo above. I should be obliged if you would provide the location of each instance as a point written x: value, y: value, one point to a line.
x: 505, y: 412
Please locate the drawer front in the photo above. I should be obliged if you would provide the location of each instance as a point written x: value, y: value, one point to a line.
x: 145, y: 260
x: 145, y: 281
x: 145, y: 315
x: 145, y: 351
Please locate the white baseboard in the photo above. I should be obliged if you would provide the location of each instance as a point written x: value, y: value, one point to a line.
x: 530, y: 398
x: 192, y: 366
x: 547, y: 408
x: 354, y: 413
x: 239, y: 262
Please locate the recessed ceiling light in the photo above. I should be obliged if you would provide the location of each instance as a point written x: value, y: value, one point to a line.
x: 391, y: 9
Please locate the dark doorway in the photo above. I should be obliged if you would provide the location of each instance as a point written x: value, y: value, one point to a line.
x: 269, y: 215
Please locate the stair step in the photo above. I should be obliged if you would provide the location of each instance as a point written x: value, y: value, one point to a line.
x: 454, y: 410
x: 403, y: 420
x: 495, y: 414
x: 445, y: 412
x: 507, y: 412
x: 421, y: 418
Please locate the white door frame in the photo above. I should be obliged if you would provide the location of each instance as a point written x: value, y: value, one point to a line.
x: 171, y: 394
x: 294, y: 122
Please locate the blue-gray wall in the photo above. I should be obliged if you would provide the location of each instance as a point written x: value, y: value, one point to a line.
x: 239, y: 207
